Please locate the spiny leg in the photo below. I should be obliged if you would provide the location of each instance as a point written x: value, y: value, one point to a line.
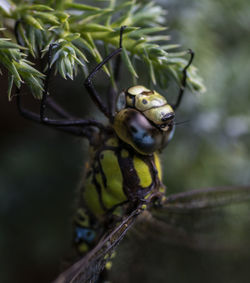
x: 78, y: 127
x: 57, y: 123
x: 74, y: 130
x: 88, y: 81
x: 184, y: 80
x: 57, y: 109
x: 112, y: 92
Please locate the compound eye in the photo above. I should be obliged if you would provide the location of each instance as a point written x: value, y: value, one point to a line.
x: 135, y: 129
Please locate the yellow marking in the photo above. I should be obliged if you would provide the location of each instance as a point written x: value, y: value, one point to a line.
x: 124, y: 153
x: 162, y: 189
x: 111, y: 194
x: 158, y: 165
x: 112, y: 172
x: 108, y: 265
x: 106, y: 257
x: 138, y: 89
x: 148, y: 195
x: 143, y: 172
x: 83, y: 248
x: 108, y: 200
x: 91, y: 198
x: 113, y: 255
x: 144, y: 206
x: 152, y: 100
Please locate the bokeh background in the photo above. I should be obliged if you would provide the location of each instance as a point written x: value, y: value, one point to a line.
x: 40, y: 168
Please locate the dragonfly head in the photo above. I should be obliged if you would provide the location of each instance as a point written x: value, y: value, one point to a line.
x: 144, y: 120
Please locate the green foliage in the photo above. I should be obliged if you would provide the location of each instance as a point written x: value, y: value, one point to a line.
x: 78, y: 31
x: 20, y: 69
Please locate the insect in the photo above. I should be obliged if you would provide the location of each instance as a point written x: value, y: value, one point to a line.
x: 123, y: 177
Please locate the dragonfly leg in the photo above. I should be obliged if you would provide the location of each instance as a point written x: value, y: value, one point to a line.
x: 184, y: 80
x: 89, y: 85
x: 78, y: 127
x: 77, y: 131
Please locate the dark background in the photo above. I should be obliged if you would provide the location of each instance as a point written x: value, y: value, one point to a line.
x: 40, y: 168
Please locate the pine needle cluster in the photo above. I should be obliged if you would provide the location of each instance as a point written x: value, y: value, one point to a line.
x: 79, y: 33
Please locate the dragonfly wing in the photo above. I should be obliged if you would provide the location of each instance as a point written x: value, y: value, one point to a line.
x: 207, y: 198
x: 198, y: 236
x: 197, y: 218
x: 88, y: 268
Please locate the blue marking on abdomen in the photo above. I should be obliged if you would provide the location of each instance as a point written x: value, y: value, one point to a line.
x: 84, y: 234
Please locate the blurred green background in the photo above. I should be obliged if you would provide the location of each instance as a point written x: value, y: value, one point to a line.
x: 40, y: 168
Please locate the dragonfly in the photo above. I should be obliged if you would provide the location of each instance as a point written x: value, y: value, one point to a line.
x: 123, y: 185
